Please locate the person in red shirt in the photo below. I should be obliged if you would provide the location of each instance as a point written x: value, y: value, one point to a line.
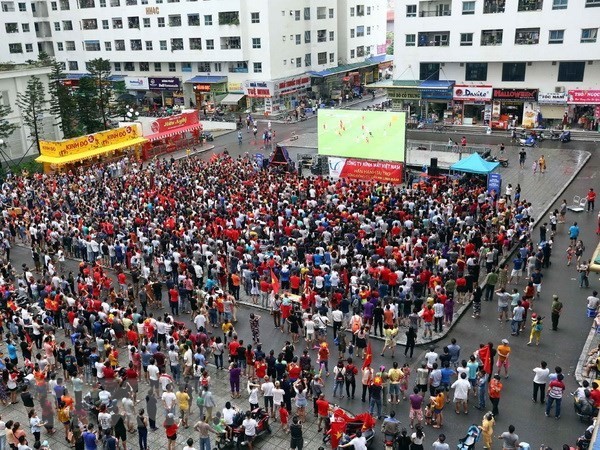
x: 260, y: 368
x: 324, y: 357
x: 295, y: 283
x: 174, y: 300
x: 591, y: 199
x: 427, y: 317
x: 322, y: 410
x: 284, y: 416
x: 595, y: 394
x: 171, y: 428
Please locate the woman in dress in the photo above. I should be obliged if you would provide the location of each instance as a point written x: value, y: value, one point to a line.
x: 361, y: 341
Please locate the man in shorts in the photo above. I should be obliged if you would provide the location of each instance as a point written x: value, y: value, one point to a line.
x: 517, y: 270
x: 249, y: 425
x: 416, y: 407
x: 503, y: 353
x: 536, y: 278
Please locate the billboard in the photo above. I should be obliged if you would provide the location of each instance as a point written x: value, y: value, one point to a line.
x: 376, y: 135
x: 363, y: 169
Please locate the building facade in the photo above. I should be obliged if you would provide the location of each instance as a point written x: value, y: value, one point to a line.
x: 196, y: 52
x: 506, y: 60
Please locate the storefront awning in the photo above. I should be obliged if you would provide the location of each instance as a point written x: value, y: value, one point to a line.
x: 232, y: 99
x: 166, y: 134
x: 207, y: 79
x: 344, y: 68
x: 76, y: 76
x: 90, y: 153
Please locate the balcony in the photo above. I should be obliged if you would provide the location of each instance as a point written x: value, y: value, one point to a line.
x: 133, y: 22
x: 83, y: 4
x: 89, y: 24
x: 241, y: 67
x: 174, y: 21
x: 8, y: 7
x: 491, y: 37
x: 530, y: 5
x: 435, y: 9
x: 434, y: 39
x: 43, y: 30
x: 120, y: 46
x: 229, y: 18
x: 231, y: 43
x: 12, y: 27
x: 117, y: 24
x: 527, y: 36
x: 493, y: 6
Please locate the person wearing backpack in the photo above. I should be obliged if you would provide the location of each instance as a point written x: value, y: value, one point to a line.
x: 339, y: 373
x: 350, y: 377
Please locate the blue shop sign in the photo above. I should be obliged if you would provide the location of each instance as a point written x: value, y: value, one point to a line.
x: 494, y: 183
x: 436, y: 94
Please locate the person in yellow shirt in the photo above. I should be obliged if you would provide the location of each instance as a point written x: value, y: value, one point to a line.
x: 487, y: 429
x: 183, y: 401
x: 503, y: 354
x: 395, y: 376
x: 438, y: 402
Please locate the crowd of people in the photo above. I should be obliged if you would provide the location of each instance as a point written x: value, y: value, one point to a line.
x: 369, y: 259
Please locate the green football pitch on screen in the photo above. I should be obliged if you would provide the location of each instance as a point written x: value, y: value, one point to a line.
x: 376, y: 135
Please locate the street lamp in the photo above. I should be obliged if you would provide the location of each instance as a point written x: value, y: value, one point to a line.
x: 131, y: 114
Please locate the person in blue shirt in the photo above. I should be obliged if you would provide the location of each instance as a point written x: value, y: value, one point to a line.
x: 90, y: 440
x: 517, y: 269
x: 447, y: 374
x: 574, y: 233
x: 12, y: 352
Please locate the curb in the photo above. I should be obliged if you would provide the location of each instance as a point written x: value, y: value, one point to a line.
x: 583, y: 357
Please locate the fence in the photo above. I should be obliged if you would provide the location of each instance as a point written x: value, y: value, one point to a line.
x: 432, y: 146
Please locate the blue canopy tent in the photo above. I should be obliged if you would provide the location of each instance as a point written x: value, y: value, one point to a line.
x: 474, y: 164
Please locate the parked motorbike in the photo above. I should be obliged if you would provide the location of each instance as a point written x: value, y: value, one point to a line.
x: 238, y: 439
x: 565, y: 136
x: 555, y: 135
x: 530, y: 141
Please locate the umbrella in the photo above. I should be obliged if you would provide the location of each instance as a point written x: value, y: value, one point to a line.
x: 126, y: 97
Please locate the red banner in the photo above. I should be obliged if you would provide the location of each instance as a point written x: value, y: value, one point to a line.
x: 172, y: 123
x: 363, y: 169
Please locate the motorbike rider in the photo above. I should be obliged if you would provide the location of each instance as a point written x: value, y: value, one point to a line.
x: 390, y: 427
x: 228, y: 413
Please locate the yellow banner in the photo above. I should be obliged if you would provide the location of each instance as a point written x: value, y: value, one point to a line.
x: 88, y: 142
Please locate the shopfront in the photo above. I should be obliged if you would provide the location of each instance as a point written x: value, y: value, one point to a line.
x: 289, y: 92
x: 92, y: 148
x: 584, y: 108
x: 170, y: 89
x: 514, y: 108
x: 173, y: 133
x: 472, y: 104
x: 436, y: 97
x: 259, y: 95
x: 405, y: 97
x: 553, y: 106
x: 235, y: 100
x: 208, y: 91
x: 348, y: 80
x: 155, y: 92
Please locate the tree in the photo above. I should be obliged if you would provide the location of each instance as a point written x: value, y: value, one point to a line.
x: 89, y: 118
x: 63, y: 105
x: 6, y: 128
x: 99, y: 69
x: 33, y: 105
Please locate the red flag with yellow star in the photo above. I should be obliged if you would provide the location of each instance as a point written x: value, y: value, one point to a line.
x: 368, y: 356
x: 338, y: 426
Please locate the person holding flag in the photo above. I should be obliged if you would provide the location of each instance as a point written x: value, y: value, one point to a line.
x: 367, y: 372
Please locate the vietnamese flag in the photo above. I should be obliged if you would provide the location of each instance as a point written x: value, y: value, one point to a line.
x: 368, y: 356
x: 484, y: 356
x: 274, y: 282
x: 338, y: 426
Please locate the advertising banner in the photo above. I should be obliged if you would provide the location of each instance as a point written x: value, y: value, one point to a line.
x: 368, y: 170
x: 526, y: 95
x: 552, y: 98
x: 136, y: 83
x: 157, y: 83
x: 292, y: 85
x: 472, y: 93
x: 172, y: 123
x: 79, y: 144
x: 259, y: 89
x: 584, y: 97
x: 494, y: 183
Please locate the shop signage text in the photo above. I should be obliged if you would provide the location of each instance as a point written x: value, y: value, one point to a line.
x: 150, y: 10
x: 88, y: 142
x: 584, y: 97
x: 526, y: 95
x: 404, y: 94
x: 136, y: 83
x: 293, y: 84
x: 363, y: 169
x: 472, y: 93
x: 164, y: 83
x: 202, y: 87
x: 436, y: 94
x: 555, y: 98
x: 172, y: 123
x: 259, y: 89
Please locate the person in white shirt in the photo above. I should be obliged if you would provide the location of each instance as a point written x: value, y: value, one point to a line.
x: 249, y: 425
x: 461, y: 393
x: 169, y: 400
x: 267, y: 391
x: 252, y: 389
x: 358, y: 442
x: 540, y: 379
x: 153, y: 373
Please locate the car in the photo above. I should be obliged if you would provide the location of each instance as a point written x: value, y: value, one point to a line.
x: 207, y: 136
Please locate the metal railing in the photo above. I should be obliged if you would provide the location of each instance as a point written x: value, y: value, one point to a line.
x: 432, y: 146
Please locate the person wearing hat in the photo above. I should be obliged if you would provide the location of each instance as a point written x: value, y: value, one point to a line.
x: 503, y: 354
x: 536, y: 329
x: 556, y: 309
x: 494, y: 391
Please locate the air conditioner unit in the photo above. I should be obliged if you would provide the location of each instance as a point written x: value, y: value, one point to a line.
x: 590, y: 63
x: 461, y: 64
x: 442, y: 64
x: 559, y: 89
x: 530, y: 63
x: 554, y: 63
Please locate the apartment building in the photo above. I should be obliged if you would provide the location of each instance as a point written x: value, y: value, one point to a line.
x: 499, y: 62
x: 197, y: 52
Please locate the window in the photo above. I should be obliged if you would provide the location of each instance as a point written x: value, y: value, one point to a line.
x: 466, y: 39
x: 70, y: 46
x: 256, y: 43
x: 493, y: 6
x: 15, y: 48
x: 513, y: 71
x: 592, y: 3
x: 128, y: 67
x: 54, y: 6
x: 307, y: 60
x: 255, y: 17
x: 368, y: 31
x: 135, y: 44
x: 148, y: 45
x: 64, y: 5
x: 332, y: 35
x: 298, y: 62
x: 589, y: 35
x: 102, y: 3
x: 105, y: 25
x: 527, y: 36
x: 108, y: 46
x: 118, y: 23
x: 218, y: 67
x: 476, y: 71
x: 172, y: 67
x: 556, y: 36
x: 306, y: 13
x: 162, y: 45
x: 67, y: 25
x: 257, y: 67
x: 331, y: 57
x: 297, y: 15
x: 352, y: 53
x: 468, y: 8
x: 321, y: 35
x: 22, y: 7
x: 28, y: 48
x: 210, y: 44
x: 176, y: 44
x: 203, y: 67
x: 368, y: 10
x: 321, y: 12
x: 571, y: 71
x: 146, y: 22
x: 229, y: 18
x: 175, y: 20
x: 491, y: 37
x: 307, y: 37
x: 360, y: 31
x: 298, y: 39
x: 352, y: 32
x: 73, y: 65
x: 56, y: 26
x: 157, y: 67
x: 351, y: 12
x: 411, y: 10
x: 25, y: 27
x: 186, y: 66
x: 360, y: 51
x: 322, y: 58
x: 195, y: 44
x: 63, y: 65
x: 411, y: 40
x: 530, y: 5
x: 144, y: 67
x: 429, y: 71
x: 161, y: 22
x: 331, y: 13
x: 360, y: 10
x: 120, y: 45
x: 133, y: 22
x: 60, y: 46
x: 208, y: 20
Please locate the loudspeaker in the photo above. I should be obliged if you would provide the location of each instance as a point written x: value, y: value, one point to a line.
x: 433, y: 166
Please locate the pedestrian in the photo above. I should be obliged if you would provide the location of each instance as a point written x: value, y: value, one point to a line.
x: 541, y: 377
x: 495, y: 389
x: 249, y: 425
x: 536, y: 329
x: 416, y: 407
x: 503, y: 354
x: 510, y: 441
x: 417, y: 438
x: 487, y: 429
x: 461, y: 393
x: 296, y: 438
x: 556, y: 389
x: 438, y: 402
x: 411, y: 341
x: 556, y: 309
x: 542, y: 164
x: 151, y: 407
x: 574, y: 233
x: 522, y: 157
x: 171, y: 427
x: 204, y: 429
x: 255, y: 327
x: 584, y: 273
x: 142, y: 429
x: 376, y: 397
x: 517, y: 318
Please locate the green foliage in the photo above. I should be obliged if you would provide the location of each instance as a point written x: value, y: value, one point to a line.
x: 33, y: 105
x: 88, y: 112
x: 63, y: 105
x: 99, y: 69
x: 6, y: 128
